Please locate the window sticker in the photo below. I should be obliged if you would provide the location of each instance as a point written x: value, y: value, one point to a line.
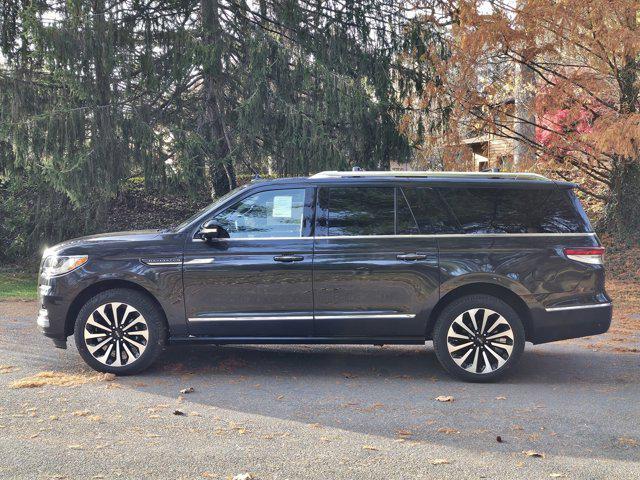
x: 282, y: 206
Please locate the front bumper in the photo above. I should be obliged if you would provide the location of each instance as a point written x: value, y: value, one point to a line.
x: 571, y: 322
x: 54, y: 296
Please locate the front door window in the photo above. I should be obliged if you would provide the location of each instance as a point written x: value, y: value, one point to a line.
x: 274, y: 213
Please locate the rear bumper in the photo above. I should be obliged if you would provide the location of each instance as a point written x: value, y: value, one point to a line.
x: 571, y: 322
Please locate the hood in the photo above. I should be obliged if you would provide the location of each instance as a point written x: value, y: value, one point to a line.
x: 77, y: 245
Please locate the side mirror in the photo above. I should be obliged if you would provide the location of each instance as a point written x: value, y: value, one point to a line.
x: 212, y: 231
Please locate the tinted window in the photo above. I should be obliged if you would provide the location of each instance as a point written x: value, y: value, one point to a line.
x: 511, y: 210
x: 564, y: 214
x: 360, y: 211
x: 406, y: 222
x: 275, y: 213
x: 426, y: 210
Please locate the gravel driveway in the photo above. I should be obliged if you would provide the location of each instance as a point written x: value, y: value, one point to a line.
x: 314, y: 412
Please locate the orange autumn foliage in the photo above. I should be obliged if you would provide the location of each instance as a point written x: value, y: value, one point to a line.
x: 586, y: 59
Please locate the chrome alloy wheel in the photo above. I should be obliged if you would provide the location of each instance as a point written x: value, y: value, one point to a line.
x: 480, y: 340
x: 116, y: 334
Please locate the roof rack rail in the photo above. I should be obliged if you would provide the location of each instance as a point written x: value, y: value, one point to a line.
x: 427, y: 174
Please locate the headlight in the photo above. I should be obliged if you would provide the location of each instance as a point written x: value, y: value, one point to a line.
x: 58, y: 265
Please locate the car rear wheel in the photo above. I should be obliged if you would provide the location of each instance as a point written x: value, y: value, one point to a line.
x: 120, y: 331
x: 478, y: 338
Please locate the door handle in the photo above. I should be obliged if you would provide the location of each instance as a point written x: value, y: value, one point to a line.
x: 411, y: 257
x: 288, y: 258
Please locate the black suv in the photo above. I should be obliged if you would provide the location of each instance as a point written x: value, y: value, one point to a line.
x: 478, y: 263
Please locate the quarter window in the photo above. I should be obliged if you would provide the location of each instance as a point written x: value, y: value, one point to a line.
x: 273, y: 213
x: 511, y: 210
x: 427, y: 215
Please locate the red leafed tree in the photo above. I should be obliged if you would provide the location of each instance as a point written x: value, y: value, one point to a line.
x: 583, y: 61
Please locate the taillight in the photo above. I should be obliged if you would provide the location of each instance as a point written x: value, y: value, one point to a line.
x: 592, y: 255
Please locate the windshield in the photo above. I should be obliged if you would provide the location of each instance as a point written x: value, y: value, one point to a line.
x: 211, y: 206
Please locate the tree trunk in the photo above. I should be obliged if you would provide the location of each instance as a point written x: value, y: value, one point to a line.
x: 623, y: 209
x: 524, y: 154
x: 221, y: 175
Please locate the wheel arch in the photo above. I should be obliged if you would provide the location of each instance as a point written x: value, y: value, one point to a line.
x: 102, y: 286
x: 499, y: 291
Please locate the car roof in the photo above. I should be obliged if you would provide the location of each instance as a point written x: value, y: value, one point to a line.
x: 515, y: 179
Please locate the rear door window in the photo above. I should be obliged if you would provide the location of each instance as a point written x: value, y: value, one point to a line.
x: 358, y: 210
x: 515, y: 210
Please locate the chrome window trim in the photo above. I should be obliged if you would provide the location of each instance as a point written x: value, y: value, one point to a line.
x: 244, y: 239
x: 435, y: 235
x: 577, y: 307
x: 462, y: 235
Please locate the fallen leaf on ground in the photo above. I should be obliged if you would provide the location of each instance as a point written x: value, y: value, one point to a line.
x: 178, y: 412
x: 557, y: 475
x: 501, y: 398
x: 8, y: 368
x: 243, y: 476
x: 209, y: 475
x: 76, y: 447
x: 81, y: 413
x: 228, y: 365
x: 448, y: 431
x: 404, y: 433
x: 445, y: 398
x: 187, y: 390
x: 628, y: 442
x: 533, y: 453
x: 439, y: 461
x: 108, y: 377
x: 370, y: 447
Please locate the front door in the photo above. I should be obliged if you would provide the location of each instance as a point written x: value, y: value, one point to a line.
x: 257, y: 282
x: 374, y: 274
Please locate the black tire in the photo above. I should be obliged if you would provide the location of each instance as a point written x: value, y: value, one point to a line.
x: 152, y: 317
x: 468, y: 370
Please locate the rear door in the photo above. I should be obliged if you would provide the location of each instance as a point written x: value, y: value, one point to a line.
x: 374, y: 276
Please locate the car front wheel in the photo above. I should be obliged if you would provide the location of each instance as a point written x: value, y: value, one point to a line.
x: 478, y: 338
x: 120, y: 331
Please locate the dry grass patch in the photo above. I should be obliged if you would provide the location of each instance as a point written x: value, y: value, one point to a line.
x: 59, y: 379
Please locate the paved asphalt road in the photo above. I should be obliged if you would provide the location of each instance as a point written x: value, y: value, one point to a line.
x: 315, y: 412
